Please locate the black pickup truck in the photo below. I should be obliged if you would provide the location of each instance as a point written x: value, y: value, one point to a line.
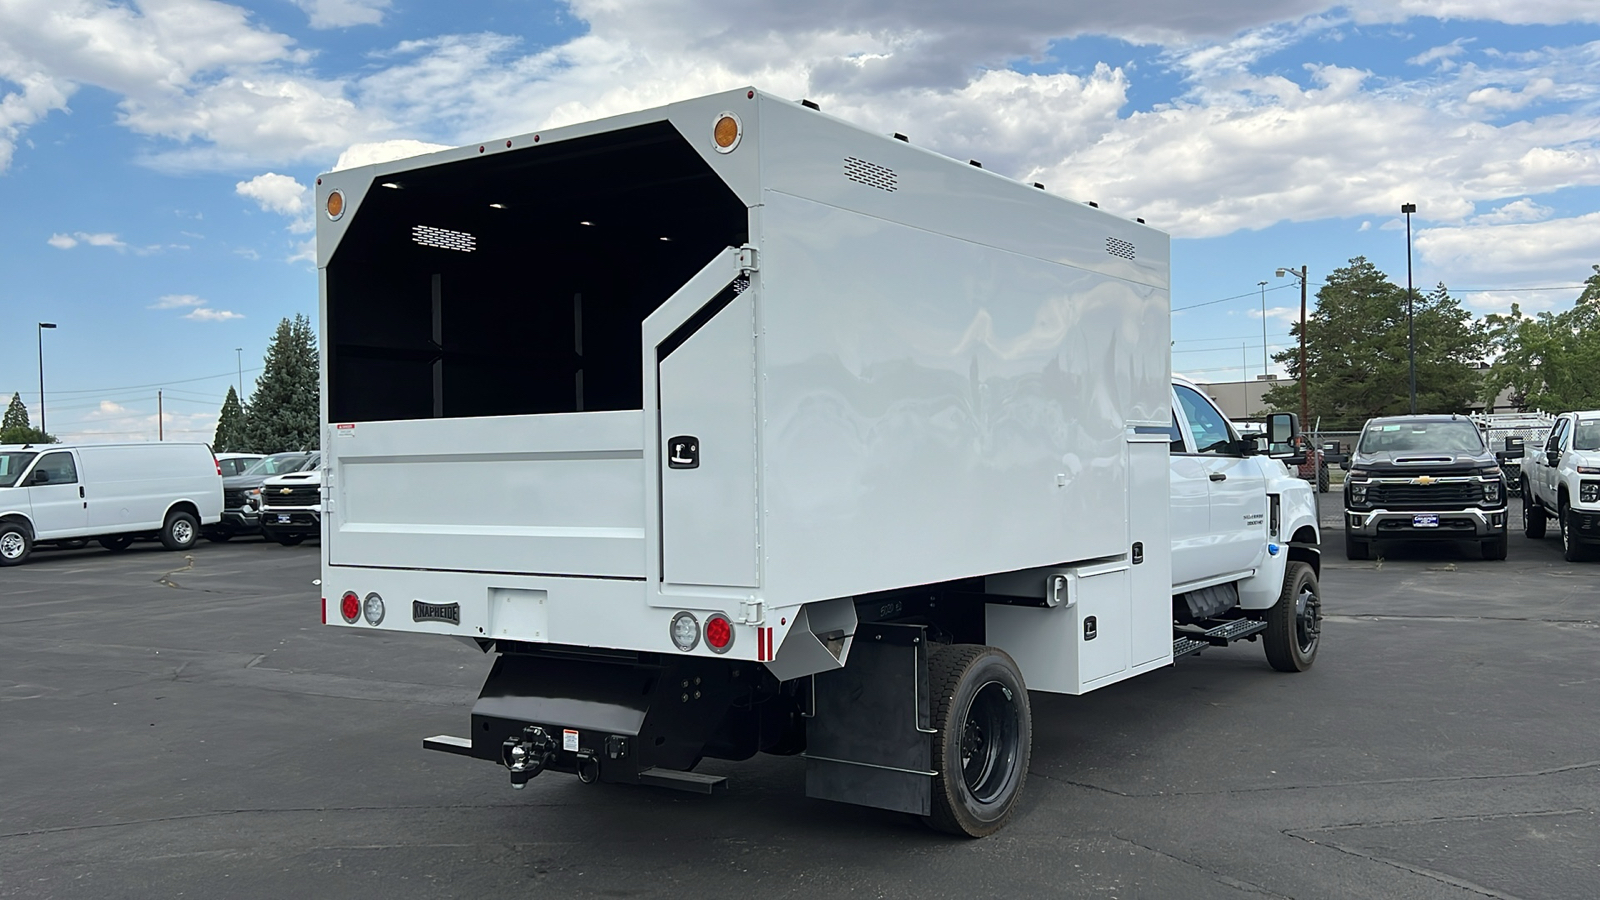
x: 1424, y: 478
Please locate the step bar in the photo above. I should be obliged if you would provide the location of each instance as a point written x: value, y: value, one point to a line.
x: 1185, y: 643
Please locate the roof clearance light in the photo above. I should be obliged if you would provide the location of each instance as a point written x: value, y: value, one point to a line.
x: 727, y: 132
x: 336, y: 206
x: 350, y: 607
x: 719, y: 633
x: 685, y: 631
x: 373, y: 609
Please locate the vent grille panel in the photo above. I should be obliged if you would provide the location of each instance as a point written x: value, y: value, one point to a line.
x: 443, y: 238
x: 871, y: 174
x: 1119, y: 248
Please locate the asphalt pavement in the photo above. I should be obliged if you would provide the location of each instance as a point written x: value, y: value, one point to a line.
x: 180, y: 725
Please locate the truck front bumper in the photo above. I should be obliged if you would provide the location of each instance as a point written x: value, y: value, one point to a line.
x: 291, y: 521
x: 1584, y: 525
x: 1417, y: 525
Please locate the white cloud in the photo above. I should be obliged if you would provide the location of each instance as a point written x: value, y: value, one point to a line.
x: 1530, y: 251
x: 1524, y: 210
x: 97, y: 239
x: 1510, y: 12
x: 213, y: 315
x: 177, y: 301
x: 343, y: 13
x: 62, y: 241
x: 1446, y: 52
x: 384, y: 151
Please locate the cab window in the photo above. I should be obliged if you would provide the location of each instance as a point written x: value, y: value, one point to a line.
x: 1211, y: 432
x: 57, y: 468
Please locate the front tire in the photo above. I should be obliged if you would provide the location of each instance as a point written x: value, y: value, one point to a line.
x: 16, y: 544
x: 1495, y: 547
x: 983, y: 737
x: 1571, y: 549
x: 287, y: 540
x: 1355, y: 548
x: 1294, y: 623
x: 180, y: 531
x: 1533, y: 520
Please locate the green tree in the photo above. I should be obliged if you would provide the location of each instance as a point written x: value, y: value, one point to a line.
x: 1356, y: 351
x: 231, y: 424
x: 15, y: 429
x: 284, y: 410
x: 1549, y: 360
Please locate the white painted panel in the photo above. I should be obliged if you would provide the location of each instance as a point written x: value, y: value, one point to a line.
x: 938, y: 409
x: 519, y: 615
x: 1150, y: 582
x: 1104, y: 599
x: 708, y: 513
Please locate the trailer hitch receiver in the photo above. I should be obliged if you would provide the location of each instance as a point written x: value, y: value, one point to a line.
x: 528, y: 755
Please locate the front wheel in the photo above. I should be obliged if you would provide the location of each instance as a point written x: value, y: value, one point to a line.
x: 1571, y: 549
x: 1495, y: 547
x: 983, y: 737
x: 288, y: 540
x: 1355, y: 548
x: 1294, y: 623
x: 1532, y: 515
x: 15, y: 544
x: 180, y: 531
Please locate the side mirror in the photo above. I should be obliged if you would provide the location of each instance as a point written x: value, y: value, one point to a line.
x: 1283, y: 433
x: 1345, y: 464
x: 1552, y: 458
x: 1514, y: 448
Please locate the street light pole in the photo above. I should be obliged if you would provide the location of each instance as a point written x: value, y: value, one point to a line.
x: 238, y: 353
x: 1264, y: 369
x: 1411, y: 326
x: 42, y: 327
x: 1305, y: 407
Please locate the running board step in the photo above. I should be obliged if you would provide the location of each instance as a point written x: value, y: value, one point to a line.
x: 692, y: 782
x: 1187, y: 642
x: 445, y: 743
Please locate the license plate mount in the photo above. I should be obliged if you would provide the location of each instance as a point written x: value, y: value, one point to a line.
x: 1428, y: 521
x: 283, y: 519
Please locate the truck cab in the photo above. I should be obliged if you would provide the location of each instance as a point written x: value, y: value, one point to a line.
x: 1561, y: 481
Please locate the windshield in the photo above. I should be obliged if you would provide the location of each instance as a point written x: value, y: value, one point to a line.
x: 1587, y: 437
x: 1422, y: 437
x: 12, y: 464
x: 277, y: 464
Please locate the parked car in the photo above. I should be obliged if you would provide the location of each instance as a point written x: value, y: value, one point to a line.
x: 1423, y: 478
x: 291, y: 505
x: 241, y: 493
x: 113, y: 493
x: 1561, y: 480
x: 231, y: 464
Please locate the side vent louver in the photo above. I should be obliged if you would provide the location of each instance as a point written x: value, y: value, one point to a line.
x: 1119, y: 248
x: 443, y: 238
x: 870, y: 174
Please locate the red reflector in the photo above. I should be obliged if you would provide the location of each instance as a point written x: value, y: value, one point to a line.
x: 350, y: 606
x: 324, y: 610
x: 719, y: 632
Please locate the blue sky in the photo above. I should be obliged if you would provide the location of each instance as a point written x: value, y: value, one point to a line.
x: 155, y: 154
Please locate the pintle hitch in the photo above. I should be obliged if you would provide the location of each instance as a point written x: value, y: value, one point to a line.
x: 528, y: 755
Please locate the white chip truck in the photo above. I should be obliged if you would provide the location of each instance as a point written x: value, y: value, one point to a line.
x: 729, y: 428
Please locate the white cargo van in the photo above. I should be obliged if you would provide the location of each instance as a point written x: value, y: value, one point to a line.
x: 112, y: 492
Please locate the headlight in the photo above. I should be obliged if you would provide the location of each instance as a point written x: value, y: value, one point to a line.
x: 1491, y: 491
x: 1358, y: 494
x: 1589, y: 492
x: 1355, y: 475
x: 1489, y: 472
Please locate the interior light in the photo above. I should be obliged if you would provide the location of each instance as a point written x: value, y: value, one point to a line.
x: 390, y: 185
x: 666, y: 238
x: 591, y: 224
x: 497, y: 206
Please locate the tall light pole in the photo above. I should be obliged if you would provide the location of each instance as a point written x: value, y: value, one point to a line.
x: 1411, y: 326
x: 1264, y: 369
x: 42, y: 327
x: 1305, y: 408
x: 238, y: 353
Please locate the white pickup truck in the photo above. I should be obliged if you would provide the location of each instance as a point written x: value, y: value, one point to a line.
x: 732, y: 428
x: 1561, y: 481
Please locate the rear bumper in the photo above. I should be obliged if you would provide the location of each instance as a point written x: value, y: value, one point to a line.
x: 1400, y: 524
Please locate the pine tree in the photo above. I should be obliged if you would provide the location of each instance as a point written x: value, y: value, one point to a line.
x: 285, y: 408
x: 14, y: 427
x: 231, y: 425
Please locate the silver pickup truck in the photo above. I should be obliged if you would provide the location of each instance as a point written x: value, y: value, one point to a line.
x: 1561, y: 481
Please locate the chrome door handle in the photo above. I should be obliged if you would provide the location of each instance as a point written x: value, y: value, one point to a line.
x: 1218, y: 476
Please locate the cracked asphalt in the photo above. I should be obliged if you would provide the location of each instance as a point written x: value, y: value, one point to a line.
x: 184, y: 727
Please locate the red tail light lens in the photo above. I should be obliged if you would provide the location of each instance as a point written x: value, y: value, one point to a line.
x: 218, y: 464
x: 350, y: 607
x: 719, y: 633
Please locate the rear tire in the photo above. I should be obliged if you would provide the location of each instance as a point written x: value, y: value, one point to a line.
x: 288, y: 540
x: 983, y: 737
x: 180, y: 531
x: 219, y: 537
x: 116, y: 543
x: 1355, y: 548
x: 1294, y: 623
x: 1495, y: 547
x: 1322, y: 479
x: 16, y: 544
x: 1533, y: 520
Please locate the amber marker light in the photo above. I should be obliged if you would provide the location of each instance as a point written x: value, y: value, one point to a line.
x: 727, y: 132
x: 335, y: 205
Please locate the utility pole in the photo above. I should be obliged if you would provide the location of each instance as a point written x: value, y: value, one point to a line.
x: 1411, y: 327
x: 161, y: 419
x: 42, y: 327
x: 239, y: 357
x: 1305, y: 407
x: 1265, y: 370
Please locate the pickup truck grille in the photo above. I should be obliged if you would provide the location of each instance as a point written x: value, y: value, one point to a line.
x: 1446, y: 495
x: 298, y: 495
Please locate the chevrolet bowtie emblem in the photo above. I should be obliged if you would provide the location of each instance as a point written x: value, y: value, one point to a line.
x: 1420, y: 479
x: 291, y: 490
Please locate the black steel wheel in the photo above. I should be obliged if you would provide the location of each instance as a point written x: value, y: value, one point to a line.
x: 16, y: 543
x: 1533, y: 519
x: 116, y: 543
x: 983, y: 737
x: 1294, y: 623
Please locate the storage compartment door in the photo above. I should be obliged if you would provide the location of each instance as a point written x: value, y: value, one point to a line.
x: 708, y: 451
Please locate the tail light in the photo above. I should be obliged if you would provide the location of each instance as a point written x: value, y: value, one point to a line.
x: 350, y: 607
x: 218, y: 463
x: 719, y: 633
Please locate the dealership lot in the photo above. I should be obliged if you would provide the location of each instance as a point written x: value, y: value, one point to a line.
x: 184, y: 726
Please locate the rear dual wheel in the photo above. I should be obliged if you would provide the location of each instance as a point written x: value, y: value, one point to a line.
x: 983, y: 737
x: 1533, y: 519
